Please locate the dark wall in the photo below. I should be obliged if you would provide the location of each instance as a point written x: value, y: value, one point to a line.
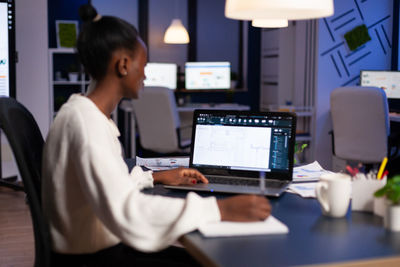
x: 68, y: 10
x: 61, y: 10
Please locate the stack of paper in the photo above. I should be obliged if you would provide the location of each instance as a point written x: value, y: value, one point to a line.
x: 159, y: 164
x: 306, y: 190
x: 270, y: 226
x: 308, y: 173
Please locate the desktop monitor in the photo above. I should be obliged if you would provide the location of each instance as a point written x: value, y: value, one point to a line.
x: 207, y: 75
x: 389, y: 81
x: 161, y: 74
x: 7, y: 48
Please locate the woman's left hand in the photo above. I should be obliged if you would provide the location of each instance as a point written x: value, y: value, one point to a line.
x: 180, y: 176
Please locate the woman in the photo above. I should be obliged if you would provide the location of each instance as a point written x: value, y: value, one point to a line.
x: 97, y: 214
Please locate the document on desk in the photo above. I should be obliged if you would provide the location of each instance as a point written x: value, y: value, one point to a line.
x: 270, y: 226
x: 305, y: 190
x: 160, y: 164
x: 308, y: 173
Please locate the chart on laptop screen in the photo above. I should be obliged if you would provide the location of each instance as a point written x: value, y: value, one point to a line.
x: 233, y: 146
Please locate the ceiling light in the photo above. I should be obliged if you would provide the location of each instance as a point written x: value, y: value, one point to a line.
x: 176, y: 33
x: 278, y: 9
x: 270, y: 23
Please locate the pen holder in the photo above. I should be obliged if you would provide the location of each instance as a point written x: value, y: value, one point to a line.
x: 363, y: 190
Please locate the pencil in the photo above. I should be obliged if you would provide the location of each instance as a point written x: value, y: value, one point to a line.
x: 382, y: 168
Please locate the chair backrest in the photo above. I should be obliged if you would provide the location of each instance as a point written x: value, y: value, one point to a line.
x: 360, y: 120
x: 26, y: 142
x: 157, y: 119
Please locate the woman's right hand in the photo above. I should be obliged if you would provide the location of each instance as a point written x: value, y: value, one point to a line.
x: 244, y: 208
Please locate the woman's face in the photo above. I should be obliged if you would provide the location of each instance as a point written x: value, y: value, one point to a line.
x: 135, y: 76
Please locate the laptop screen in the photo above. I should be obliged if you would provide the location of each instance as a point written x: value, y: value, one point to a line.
x: 243, y: 143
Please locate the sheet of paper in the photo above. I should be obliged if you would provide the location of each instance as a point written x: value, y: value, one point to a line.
x: 270, y: 226
x: 308, y: 173
x: 306, y: 190
x: 158, y: 164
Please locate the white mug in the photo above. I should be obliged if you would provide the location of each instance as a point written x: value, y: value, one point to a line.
x: 333, y: 193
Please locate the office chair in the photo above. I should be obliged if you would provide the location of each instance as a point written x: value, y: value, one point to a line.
x: 26, y: 142
x: 158, y: 122
x: 360, y: 120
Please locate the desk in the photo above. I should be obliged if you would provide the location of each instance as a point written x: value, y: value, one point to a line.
x: 226, y: 106
x: 312, y: 238
x: 394, y: 117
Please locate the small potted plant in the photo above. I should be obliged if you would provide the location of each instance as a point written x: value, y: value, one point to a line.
x: 73, y: 73
x: 391, y: 191
x: 298, y: 149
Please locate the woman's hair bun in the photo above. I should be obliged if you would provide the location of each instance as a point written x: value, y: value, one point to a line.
x: 87, y: 13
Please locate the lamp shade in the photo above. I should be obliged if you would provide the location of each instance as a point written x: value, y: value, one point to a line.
x: 176, y: 33
x: 278, y: 9
x: 270, y: 23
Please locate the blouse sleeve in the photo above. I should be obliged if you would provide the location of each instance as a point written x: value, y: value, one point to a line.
x: 142, y: 179
x: 146, y: 222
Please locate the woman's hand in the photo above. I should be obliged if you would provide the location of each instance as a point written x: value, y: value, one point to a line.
x: 180, y: 176
x: 244, y: 208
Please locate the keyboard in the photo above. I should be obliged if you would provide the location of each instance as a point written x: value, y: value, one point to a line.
x: 244, y: 182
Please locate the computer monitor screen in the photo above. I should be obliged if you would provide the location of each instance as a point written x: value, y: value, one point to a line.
x: 207, y: 75
x: 161, y: 74
x: 7, y: 48
x: 387, y: 80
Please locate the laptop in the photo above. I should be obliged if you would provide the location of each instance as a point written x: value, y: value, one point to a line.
x: 233, y: 149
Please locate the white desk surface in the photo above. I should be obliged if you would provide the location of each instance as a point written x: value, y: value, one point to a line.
x: 227, y: 106
x: 394, y: 116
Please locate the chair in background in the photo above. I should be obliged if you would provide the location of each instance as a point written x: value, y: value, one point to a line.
x: 158, y: 122
x: 360, y: 120
x: 26, y: 142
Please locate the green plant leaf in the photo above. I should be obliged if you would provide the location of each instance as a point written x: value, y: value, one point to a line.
x: 381, y: 192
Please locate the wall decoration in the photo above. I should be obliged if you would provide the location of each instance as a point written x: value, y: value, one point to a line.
x: 339, y: 57
x: 67, y: 32
x: 357, y: 37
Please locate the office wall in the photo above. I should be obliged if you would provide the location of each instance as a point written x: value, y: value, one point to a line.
x: 68, y: 10
x: 32, y: 66
x: 125, y: 9
x: 338, y: 66
x: 217, y: 36
x: 161, y: 13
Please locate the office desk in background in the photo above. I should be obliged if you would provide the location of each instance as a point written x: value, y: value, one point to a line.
x: 190, y: 107
x: 394, y: 117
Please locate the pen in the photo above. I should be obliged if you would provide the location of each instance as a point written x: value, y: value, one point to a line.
x: 351, y: 171
x: 382, y: 168
x: 262, y: 183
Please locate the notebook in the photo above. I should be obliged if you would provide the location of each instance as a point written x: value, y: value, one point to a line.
x: 233, y: 149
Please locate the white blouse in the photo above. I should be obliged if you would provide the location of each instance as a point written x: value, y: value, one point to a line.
x: 90, y: 199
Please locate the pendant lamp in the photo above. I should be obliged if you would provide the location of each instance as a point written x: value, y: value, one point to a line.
x: 278, y: 9
x: 270, y: 23
x: 176, y: 33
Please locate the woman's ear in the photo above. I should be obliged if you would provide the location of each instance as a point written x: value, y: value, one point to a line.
x: 122, y: 66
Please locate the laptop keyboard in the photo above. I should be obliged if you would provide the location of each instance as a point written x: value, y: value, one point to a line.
x: 245, y: 182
